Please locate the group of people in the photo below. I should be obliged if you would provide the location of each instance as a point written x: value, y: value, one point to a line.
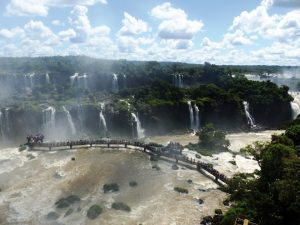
x: 210, y: 169
x: 33, y: 139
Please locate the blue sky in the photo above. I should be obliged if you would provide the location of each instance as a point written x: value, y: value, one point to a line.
x: 194, y: 31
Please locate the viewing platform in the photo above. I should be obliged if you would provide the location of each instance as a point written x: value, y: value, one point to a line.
x: 170, y: 152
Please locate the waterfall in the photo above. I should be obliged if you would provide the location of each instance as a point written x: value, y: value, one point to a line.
x: 73, y: 78
x: 250, y: 119
x: 1, y: 125
x: 197, y: 119
x: 139, y: 130
x: 191, y: 115
x: 124, y: 81
x: 82, y: 81
x: 102, y: 118
x: 29, y: 82
x: 178, y: 80
x: 47, y: 78
x: 49, y: 118
x: 115, y: 84
x: 70, y: 120
x: 295, y: 104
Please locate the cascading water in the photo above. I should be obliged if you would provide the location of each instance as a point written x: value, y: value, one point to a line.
x: 191, y: 115
x: 29, y: 82
x: 49, y: 118
x: 47, y: 78
x: 1, y: 126
x: 73, y: 78
x: 140, y: 132
x: 295, y: 104
x: 197, y: 118
x: 250, y: 119
x: 70, y: 120
x: 102, y: 118
x: 115, y: 84
x: 82, y: 81
x: 178, y: 80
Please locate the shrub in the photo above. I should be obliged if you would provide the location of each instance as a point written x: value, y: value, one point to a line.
x: 133, y: 183
x: 94, y: 211
x: 121, y: 206
x: 181, y: 190
x: 113, y: 187
x: 66, y: 202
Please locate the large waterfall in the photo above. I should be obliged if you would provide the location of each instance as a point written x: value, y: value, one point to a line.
x: 49, y: 118
x: 70, y: 120
x: 295, y: 105
x: 1, y: 126
x: 194, y: 116
x: 191, y: 115
x: 82, y: 81
x: 102, y: 119
x: 250, y: 119
x: 29, y: 82
x: 73, y: 78
x: 115, y: 83
x: 197, y: 119
x: 140, y: 132
x: 178, y: 80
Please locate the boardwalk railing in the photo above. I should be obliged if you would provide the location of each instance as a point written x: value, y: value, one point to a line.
x: 160, y: 151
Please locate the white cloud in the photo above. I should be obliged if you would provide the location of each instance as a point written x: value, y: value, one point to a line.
x: 236, y: 38
x: 11, y: 33
x: 28, y: 7
x: 80, y: 23
x: 57, y: 23
x: 131, y: 44
x: 66, y: 35
x: 41, y: 7
x: 132, y: 26
x: 175, y: 23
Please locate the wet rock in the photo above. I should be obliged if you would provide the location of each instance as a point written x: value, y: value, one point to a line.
x: 69, y: 212
x: 206, y: 220
x: 233, y: 162
x: 66, y: 202
x: 200, y: 201
x: 120, y: 206
x: 52, y: 216
x: 175, y: 167
x: 133, y: 183
x: 189, y: 181
x: 226, y: 202
x: 73, y: 158
x: 94, y: 211
x: 218, y: 211
x: 113, y: 187
x: 198, y: 156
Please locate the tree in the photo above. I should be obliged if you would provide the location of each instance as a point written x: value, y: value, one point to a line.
x: 209, y: 136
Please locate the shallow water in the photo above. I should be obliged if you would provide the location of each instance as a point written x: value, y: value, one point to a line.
x: 30, y: 190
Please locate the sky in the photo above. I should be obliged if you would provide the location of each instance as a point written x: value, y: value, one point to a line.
x: 244, y: 32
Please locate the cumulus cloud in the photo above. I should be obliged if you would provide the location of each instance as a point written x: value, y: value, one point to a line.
x: 57, y: 23
x: 175, y: 23
x: 41, y: 7
x: 11, y: 33
x: 132, y: 26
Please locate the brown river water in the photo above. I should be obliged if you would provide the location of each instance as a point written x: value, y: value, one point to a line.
x: 31, y: 183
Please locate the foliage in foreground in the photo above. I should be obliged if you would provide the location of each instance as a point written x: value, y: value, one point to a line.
x: 271, y: 195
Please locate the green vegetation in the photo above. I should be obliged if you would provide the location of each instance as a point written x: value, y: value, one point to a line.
x: 94, y: 211
x: 133, y: 183
x: 69, y: 212
x: 211, y: 141
x: 113, y: 187
x: 66, y: 202
x: 271, y: 195
x: 121, y: 206
x: 181, y: 190
x: 22, y: 148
